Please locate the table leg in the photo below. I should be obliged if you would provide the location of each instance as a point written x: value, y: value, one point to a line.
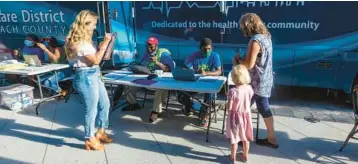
x: 215, y: 111
x: 209, y: 108
x: 41, y: 95
x: 166, y: 106
x: 112, y: 108
x: 222, y: 130
x: 208, y: 128
x: 112, y: 95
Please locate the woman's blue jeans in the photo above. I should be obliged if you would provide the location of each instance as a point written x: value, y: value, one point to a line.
x: 88, y: 83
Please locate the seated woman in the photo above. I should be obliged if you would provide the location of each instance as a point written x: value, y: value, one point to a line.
x: 30, y: 48
x: 55, y: 54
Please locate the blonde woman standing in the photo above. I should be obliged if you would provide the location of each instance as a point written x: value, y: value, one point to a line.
x: 258, y: 61
x: 85, y: 57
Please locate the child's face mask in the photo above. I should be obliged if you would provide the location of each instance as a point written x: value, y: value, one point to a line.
x: 28, y: 43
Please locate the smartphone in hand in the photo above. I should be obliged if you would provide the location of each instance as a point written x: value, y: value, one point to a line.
x: 238, y: 55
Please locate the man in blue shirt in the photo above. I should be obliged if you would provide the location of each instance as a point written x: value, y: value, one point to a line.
x: 207, y: 63
x: 155, y: 59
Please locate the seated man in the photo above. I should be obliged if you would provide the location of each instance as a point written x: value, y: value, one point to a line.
x: 207, y: 63
x: 156, y: 59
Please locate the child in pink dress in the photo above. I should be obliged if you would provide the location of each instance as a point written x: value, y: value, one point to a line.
x: 239, y: 123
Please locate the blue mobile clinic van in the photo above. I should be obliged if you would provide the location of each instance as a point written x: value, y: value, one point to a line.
x: 315, y: 43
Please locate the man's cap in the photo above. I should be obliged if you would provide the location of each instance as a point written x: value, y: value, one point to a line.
x: 152, y: 40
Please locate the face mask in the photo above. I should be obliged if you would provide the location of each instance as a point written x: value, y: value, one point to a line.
x: 46, y: 43
x: 28, y: 43
x: 207, y: 53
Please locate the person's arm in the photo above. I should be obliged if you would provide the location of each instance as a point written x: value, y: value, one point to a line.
x: 53, y: 56
x: 97, y: 58
x: 162, y: 66
x: 217, y: 65
x: 217, y: 72
x: 158, y: 63
x: 21, y: 55
x: 229, y: 102
x: 251, y: 56
x: 166, y: 63
x: 16, y: 54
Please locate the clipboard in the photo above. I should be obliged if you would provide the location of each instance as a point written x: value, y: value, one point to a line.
x: 108, y: 54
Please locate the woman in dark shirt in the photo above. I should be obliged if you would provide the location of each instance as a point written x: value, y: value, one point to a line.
x: 55, y: 54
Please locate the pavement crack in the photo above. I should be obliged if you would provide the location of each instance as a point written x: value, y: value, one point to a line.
x: 161, y: 148
x: 49, y: 133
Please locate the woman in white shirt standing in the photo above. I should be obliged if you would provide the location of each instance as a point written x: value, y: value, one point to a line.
x: 87, y: 81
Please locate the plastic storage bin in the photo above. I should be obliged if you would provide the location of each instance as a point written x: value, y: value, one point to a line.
x: 17, y: 96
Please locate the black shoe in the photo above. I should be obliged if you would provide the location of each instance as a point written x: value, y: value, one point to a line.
x: 131, y: 107
x: 151, y: 119
x: 159, y: 115
x: 187, y: 110
x: 265, y: 142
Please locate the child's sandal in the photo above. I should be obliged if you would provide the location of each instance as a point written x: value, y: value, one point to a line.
x: 243, y: 157
x: 232, y: 160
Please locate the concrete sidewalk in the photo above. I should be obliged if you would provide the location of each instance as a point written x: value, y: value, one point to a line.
x: 56, y: 136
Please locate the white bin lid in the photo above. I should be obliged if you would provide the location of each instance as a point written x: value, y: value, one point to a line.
x: 15, y: 89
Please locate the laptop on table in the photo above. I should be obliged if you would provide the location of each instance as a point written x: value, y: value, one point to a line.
x: 139, y: 69
x: 35, y: 59
x: 184, y: 75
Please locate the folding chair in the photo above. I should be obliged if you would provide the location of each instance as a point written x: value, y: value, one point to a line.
x: 71, y: 89
x: 230, y: 82
x: 225, y: 91
x: 214, y: 105
x: 355, y: 109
